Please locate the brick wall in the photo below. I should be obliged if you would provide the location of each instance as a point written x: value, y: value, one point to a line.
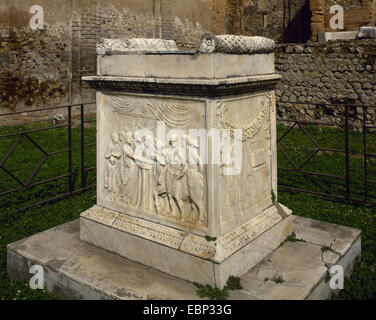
x: 35, y: 64
x: 281, y: 20
x: 356, y: 14
x: 44, y: 67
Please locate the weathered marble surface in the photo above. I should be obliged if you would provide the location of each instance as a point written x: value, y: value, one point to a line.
x: 150, y: 207
x: 76, y: 270
x: 185, y: 65
x: 147, y: 190
x: 106, y: 46
x: 216, y: 251
x: 190, y: 256
x: 233, y: 44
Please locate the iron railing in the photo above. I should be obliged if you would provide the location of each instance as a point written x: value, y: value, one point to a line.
x: 358, y: 127
x: 358, y: 153
x: 72, y: 112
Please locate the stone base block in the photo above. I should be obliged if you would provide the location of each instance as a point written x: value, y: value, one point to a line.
x: 186, y: 255
x: 74, y: 269
x: 341, y: 35
x: 367, y: 33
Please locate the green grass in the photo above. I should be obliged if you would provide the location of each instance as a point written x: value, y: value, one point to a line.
x: 207, y: 291
x: 26, y: 158
x: 16, y: 226
x: 292, y: 238
x: 299, y: 148
x: 362, y: 284
x: 278, y: 280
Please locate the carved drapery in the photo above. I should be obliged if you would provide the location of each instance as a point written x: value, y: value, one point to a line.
x: 173, y: 115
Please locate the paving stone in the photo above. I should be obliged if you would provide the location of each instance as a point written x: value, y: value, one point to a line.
x: 330, y: 258
x: 293, y: 255
x: 75, y: 270
x: 325, y: 234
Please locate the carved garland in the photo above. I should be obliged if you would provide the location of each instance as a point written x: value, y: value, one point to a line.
x: 249, y: 129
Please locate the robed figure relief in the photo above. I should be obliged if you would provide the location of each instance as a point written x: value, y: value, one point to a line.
x: 129, y: 171
x: 183, y: 183
x: 145, y: 183
x: 112, y: 177
x: 157, y: 180
x: 164, y: 179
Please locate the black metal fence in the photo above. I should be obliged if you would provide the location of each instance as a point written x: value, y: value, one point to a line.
x: 334, y: 158
x: 20, y: 145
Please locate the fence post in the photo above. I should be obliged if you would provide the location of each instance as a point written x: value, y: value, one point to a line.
x: 365, y: 153
x: 70, y: 149
x: 347, y: 153
x: 83, y: 173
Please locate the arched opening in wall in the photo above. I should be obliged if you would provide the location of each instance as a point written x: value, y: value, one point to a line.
x: 296, y: 21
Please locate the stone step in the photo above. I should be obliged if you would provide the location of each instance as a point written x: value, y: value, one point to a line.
x: 76, y: 270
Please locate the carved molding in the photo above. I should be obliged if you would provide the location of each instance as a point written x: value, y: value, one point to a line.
x: 143, y: 228
x: 236, y: 239
x: 235, y: 44
x: 136, y: 44
x: 215, y: 251
x: 172, y: 114
x: 212, y: 88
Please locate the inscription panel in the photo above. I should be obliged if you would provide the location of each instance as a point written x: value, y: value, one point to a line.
x: 216, y: 251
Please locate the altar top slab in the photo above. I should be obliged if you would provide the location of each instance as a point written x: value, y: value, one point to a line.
x: 184, y: 65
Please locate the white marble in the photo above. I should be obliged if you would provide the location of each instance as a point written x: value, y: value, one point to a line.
x: 185, y: 65
x: 229, y: 43
x: 203, y: 212
x: 135, y: 45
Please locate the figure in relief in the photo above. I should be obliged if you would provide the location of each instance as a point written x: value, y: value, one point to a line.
x: 112, y: 171
x: 196, y: 184
x: 145, y: 174
x: 231, y: 181
x: 184, y: 184
x: 160, y: 194
x: 129, y: 171
x: 157, y: 179
x: 245, y: 191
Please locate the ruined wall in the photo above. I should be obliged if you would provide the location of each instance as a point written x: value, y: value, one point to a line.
x: 44, y: 67
x: 35, y: 64
x: 335, y: 72
x: 281, y: 20
x: 356, y: 14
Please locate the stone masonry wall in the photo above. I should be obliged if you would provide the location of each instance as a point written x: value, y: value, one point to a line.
x: 35, y: 64
x: 44, y: 67
x: 281, y: 20
x: 335, y: 72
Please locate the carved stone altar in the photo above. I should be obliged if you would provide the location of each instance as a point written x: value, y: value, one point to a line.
x: 186, y: 217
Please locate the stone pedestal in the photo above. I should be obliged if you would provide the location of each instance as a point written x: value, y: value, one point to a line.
x: 193, y: 219
x: 202, y: 218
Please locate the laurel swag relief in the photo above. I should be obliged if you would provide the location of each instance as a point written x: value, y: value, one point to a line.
x: 243, y: 193
x: 158, y: 180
